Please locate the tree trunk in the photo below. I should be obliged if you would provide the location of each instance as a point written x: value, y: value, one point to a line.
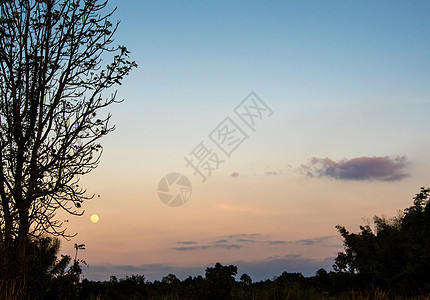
x: 21, y: 278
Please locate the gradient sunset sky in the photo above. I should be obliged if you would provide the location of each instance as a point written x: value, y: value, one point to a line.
x: 349, y: 86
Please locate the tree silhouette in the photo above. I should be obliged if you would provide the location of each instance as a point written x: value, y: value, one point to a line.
x: 52, y: 88
x: 50, y: 276
x: 220, y: 280
x: 246, y: 279
x: 394, y: 256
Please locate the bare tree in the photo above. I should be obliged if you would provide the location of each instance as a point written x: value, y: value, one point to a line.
x: 53, y: 80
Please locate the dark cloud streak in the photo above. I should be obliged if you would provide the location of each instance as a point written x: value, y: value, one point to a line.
x: 205, y: 247
x: 186, y: 242
x: 304, y: 242
x: 220, y: 241
x: 245, y: 235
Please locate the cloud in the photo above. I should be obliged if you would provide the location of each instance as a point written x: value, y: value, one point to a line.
x: 359, y: 168
x: 274, y: 173
x: 234, y: 174
x: 245, y: 235
x: 304, y: 242
x: 220, y: 241
x: 233, y: 241
x: 205, y: 247
x: 288, y: 256
x: 245, y: 240
x: 292, y: 256
x: 229, y: 246
x: 278, y: 242
x: 318, y: 240
x: 191, y: 248
x: 186, y: 242
x: 238, y: 241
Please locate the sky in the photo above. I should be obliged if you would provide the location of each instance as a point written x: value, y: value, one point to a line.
x: 321, y: 108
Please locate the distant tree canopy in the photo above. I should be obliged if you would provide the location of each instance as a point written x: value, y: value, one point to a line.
x: 220, y: 280
x: 396, y: 255
x: 56, y: 62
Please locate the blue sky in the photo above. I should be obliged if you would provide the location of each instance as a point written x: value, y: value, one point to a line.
x: 348, y: 83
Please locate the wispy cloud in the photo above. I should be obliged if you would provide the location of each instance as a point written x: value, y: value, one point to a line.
x: 229, y: 246
x: 318, y: 240
x: 191, y: 248
x: 278, y: 242
x: 234, y: 241
x: 245, y: 240
x: 205, y: 247
x: 304, y: 242
x: 359, y: 168
x: 245, y: 235
x: 288, y: 256
x: 220, y: 241
x: 186, y: 242
x: 238, y: 241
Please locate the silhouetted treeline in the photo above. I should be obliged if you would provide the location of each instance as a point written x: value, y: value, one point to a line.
x: 389, y: 261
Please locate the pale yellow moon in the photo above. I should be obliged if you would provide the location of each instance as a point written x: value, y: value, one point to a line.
x: 94, y: 218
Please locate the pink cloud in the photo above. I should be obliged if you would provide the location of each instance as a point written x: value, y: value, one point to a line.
x: 234, y: 174
x: 359, y: 168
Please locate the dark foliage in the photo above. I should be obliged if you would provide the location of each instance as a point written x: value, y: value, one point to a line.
x: 396, y: 255
x: 50, y: 276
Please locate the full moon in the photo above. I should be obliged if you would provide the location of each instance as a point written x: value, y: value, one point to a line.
x: 94, y: 218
